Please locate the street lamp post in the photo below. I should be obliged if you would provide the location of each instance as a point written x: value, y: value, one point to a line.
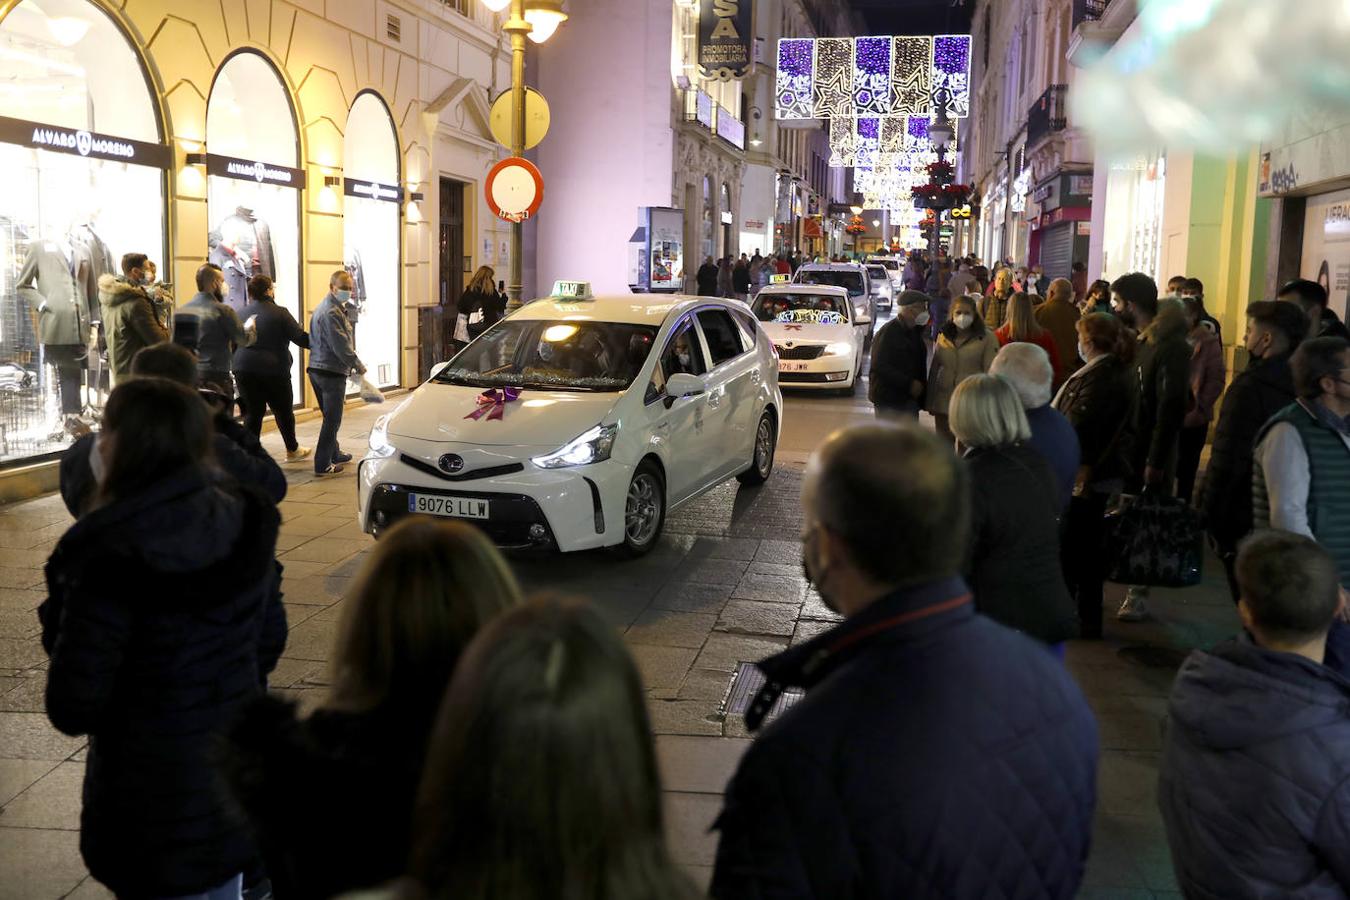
x: 940, y: 134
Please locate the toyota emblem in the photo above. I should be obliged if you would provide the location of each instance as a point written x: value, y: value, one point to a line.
x: 451, y: 463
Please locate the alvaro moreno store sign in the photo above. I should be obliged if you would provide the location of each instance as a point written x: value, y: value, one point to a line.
x: 253, y: 170
x: 89, y: 144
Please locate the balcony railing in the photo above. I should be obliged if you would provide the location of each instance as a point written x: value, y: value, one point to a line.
x: 1088, y: 10
x: 1046, y: 115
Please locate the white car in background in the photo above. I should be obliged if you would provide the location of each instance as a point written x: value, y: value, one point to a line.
x: 853, y: 278
x: 580, y: 422
x: 895, y: 270
x: 819, y: 342
x: 883, y: 292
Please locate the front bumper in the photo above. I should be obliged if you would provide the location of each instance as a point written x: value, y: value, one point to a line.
x: 564, y: 509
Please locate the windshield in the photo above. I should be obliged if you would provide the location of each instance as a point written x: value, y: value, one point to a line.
x: 553, y: 355
x: 809, y: 309
x: 888, y: 264
x: 852, y: 281
x: 876, y: 272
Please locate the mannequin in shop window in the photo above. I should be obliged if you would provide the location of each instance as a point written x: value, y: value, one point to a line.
x: 235, y: 264
x: 47, y: 282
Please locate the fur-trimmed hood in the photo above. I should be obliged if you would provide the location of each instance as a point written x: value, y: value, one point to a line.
x: 114, y: 291
x: 1170, y: 322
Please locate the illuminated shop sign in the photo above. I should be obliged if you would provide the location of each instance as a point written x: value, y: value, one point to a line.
x: 372, y: 190
x: 725, y: 38
x: 89, y: 144
x: 253, y: 170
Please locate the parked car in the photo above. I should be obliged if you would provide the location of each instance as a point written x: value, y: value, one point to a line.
x: 580, y: 422
x: 819, y: 341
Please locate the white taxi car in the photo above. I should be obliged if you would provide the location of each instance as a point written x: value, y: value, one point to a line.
x: 580, y: 422
x: 853, y: 278
x: 813, y: 328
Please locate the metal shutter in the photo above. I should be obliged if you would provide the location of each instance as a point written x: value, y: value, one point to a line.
x: 1057, y: 250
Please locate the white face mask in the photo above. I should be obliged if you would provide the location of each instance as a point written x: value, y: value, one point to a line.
x: 963, y: 320
x: 921, y: 319
x: 1085, y: 352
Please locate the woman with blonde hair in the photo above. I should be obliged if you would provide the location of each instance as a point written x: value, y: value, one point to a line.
x: 330, y: 796
x: 1013, y: 567
x: 480, y: 307
x: 994, y: 309
x: 1021, y: 325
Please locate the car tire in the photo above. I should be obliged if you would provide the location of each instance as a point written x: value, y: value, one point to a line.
x: 647, y: 489
x: 761, y: 457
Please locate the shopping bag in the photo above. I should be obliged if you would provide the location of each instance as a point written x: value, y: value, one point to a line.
x: 1154, y: 540
x: 360, y: 384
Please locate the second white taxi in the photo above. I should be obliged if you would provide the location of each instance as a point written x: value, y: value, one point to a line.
x: 579, y: 422
x: 818, y: 338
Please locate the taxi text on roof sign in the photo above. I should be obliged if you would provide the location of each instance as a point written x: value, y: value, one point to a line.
x: 572, y: 290
x: 780, y: 279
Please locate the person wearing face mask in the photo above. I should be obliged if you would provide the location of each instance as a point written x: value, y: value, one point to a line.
x: 964, y: 348
x: 1098, y: 400
x: 129, y: 319
x: 898, y: 378
x: 1098, y: 298
x: 332, y: 359
x: 836, y: 798
x: 1274, y: 331
x: 263, y: 369
x: 1207, y: 379
x: 210, y: 327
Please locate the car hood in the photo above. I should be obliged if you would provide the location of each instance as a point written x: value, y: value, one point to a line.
x: 782, y: 333
x: 439, y: 412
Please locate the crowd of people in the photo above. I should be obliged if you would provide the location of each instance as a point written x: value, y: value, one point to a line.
x: 477, y: 743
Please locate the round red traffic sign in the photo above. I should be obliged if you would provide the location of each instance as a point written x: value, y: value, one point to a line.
x: 515, y: 189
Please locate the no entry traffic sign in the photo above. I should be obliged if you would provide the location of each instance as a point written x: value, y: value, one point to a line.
x: 515, y: 189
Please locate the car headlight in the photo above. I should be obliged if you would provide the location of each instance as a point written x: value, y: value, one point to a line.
x: 839, y: 348
x: 379, y: 439
x: 592, y: 447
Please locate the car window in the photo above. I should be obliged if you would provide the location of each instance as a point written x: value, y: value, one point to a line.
x: 876, y: 272
x: 812, y: 309
x: 749, y: 333
x: 852, y: 281
x: 720, y: 333
x: 682, y: 353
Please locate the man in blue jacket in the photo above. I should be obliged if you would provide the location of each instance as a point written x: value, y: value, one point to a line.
x: 1255, y: 783
x: 936, y: 753
x: 332, y: 359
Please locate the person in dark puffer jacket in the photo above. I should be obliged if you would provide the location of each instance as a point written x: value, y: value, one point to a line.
x: 1255, y: 784
x: 163, y: 618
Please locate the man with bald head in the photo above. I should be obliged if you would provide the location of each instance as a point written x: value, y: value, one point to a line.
x: 936, y: 753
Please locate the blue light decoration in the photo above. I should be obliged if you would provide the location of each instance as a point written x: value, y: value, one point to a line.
x: 951, y: 70
x: 872, y: 76
x: 833, y: 90
x: 796, y: 65
x: 869, y: 142
x: 911, y: 76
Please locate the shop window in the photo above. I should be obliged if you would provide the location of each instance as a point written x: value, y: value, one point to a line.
x: 82, y: 152
x: 253, y: 185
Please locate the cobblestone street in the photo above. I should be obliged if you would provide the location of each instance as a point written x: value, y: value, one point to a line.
x: 724, y: 587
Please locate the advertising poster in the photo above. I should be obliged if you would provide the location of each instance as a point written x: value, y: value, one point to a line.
x: 1326, y: 247
x: 666, y: 250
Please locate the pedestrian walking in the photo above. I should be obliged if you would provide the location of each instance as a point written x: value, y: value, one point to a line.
x: 724, y: 281
x: 546, y: 702
x: 1021, y: 325
x: 1027, y: 368
x: 163, y: 618
x: 1059, y: 316
x: 1266, y: 386
x: 1013, y: 563
x: 263, y: 369
x: 707, y: 278
x: 1162, y: 365
x: 837, y: 797
x: 1311, y: 297
x: 210, y: 327
x: 1079, y: 279
x: 1302, y: 460
x: 740, y: 279
x: 480, y: 307
x: 129, y: 318
x: 1098, y: 401
x: 332, y: 360
x: 898, y: 378
x: 1252, y: 781
x: 963, y: 281
x: 964, y: 347
x: 994, y: 309
x: 329, y: 795
x: 1208, y: 375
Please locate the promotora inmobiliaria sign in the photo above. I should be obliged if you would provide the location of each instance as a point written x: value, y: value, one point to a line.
x: 79, y: 142
x: 726, y: 38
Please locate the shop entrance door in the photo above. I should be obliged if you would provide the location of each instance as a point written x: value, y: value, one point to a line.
x: 452, y: 245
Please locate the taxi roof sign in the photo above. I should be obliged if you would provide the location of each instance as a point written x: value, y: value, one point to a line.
x: 572, y: 290
x: 780, y: 279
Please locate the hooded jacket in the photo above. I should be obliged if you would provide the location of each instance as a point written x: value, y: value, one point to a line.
x: 163, y: 617
x: 129, y: 323
x: 954, y: 361
x: 1163, y: 367
x: 1255, y: 784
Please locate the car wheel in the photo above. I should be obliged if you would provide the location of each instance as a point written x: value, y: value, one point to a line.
x: 644, y: 513
x: 761, y: 461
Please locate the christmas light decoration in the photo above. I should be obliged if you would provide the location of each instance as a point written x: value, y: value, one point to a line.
x: 796, y: 68
x: 833, y: 90
x: 912, y: 76
x: 951, y: 70
x: 872, y: 75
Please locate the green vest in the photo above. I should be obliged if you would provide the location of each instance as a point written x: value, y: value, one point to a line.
x: 1329, y: 485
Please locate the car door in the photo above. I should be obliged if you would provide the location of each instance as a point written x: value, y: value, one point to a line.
x: 731, y: 389
x: 678, y: 425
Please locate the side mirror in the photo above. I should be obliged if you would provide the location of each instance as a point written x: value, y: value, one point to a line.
x: 438, y: 369
x: 682, y: 385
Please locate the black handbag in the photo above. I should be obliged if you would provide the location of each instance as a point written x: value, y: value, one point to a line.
x: 1154, y: 540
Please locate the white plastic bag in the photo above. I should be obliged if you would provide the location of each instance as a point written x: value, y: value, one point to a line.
x: 360, y: 384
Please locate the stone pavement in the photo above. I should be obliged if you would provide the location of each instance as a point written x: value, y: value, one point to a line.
x: 724, y: 586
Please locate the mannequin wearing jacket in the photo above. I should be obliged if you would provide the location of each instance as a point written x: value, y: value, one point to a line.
x: 252, y: 237
x: 47, y: 282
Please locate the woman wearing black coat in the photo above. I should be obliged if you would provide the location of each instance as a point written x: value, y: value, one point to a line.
x: 481, y: 306
x: 1098, y: 400
x: 262, y: 370
x: 163, y: 618
x: 1014, y: 570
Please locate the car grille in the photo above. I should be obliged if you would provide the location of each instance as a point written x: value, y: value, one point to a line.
x: 806, y: 352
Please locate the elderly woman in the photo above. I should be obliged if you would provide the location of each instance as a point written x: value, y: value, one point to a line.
x: 1014, y: 568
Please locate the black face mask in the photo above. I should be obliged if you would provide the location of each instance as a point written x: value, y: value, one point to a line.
x: 1126, y: 317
